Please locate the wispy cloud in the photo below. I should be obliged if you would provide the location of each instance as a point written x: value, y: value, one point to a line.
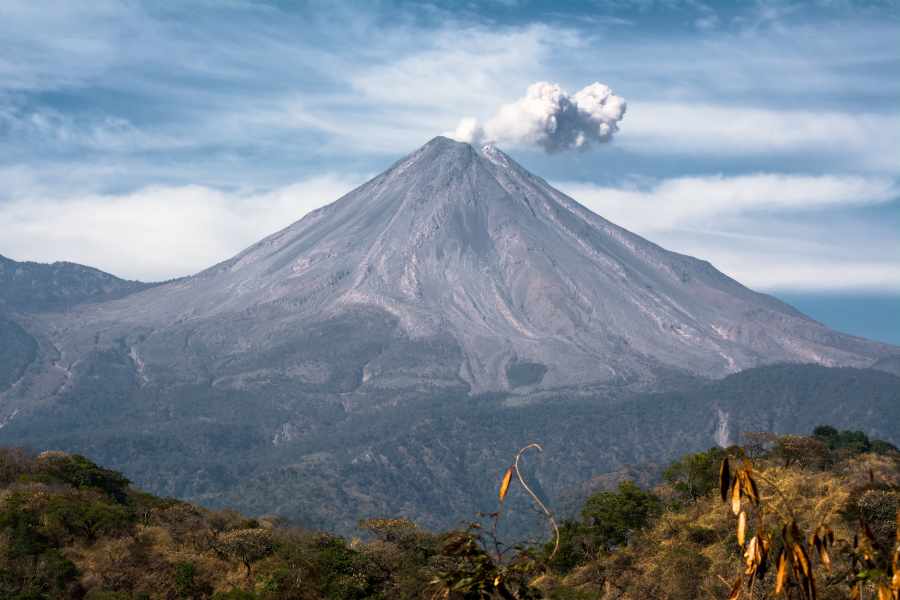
x: 858, y: 140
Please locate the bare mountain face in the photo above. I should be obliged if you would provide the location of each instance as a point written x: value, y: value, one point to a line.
x: 28, y: 287
x: 453, y: 277
x: 455, y: 267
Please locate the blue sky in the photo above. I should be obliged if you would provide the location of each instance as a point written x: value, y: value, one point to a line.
x: 153, y: 139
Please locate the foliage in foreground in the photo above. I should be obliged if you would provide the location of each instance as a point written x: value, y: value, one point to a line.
x: 71, y: 529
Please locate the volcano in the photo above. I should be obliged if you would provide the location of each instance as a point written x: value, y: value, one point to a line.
x: 454, y: 274
x: 481, y: 274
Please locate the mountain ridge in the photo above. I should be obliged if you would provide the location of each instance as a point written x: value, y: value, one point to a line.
x: 28, y: 286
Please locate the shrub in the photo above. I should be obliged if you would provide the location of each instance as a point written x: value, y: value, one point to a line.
x: 611, y: 518
x: 702, y: 536
x: 81, y: 473
x: 234, y: 594
x: 14, y: 462
x: 21, y: 524
x: 853, y: 442
x: 572, y: 546
x: 802, y: 450
x: 85, y: 516
x: 98, y: 594
x: 678, y: 570
x: 695, y: 475
x: 47, y: 575
x: 245, y: 545
x: 188, y: 583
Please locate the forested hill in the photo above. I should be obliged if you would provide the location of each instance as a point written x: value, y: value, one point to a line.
x: 70, y: 529
x: 35, y: 287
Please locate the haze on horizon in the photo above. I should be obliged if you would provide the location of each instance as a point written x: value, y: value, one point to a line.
x: 154, y: 141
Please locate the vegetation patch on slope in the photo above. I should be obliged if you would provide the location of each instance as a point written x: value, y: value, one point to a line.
x: 72, y: 529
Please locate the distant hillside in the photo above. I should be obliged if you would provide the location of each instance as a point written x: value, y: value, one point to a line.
x: 27, y: 288
x: 435, y: 460
x: 35, y: 287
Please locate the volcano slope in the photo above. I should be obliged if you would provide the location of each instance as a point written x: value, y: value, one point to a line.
x: 454, y: 284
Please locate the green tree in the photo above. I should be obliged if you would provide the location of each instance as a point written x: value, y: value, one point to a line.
x: 803, y: 450
x: 695, y: 475
x: 573, y: 542
x: 189, y: 584
x: 246, y: 546
x: 81, y: 473
x: 21, y: 524
x: 611, y: 518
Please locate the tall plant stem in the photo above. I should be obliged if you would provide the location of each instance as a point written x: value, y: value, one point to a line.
x: 535, y: 496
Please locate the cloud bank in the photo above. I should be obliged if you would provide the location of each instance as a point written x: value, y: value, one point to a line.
x: 691, y: 201
x: 158, y: 232
x: 551, y: 118
x: 758, y: 228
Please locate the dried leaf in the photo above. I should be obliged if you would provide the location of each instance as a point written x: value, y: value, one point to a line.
x: 781, y: 574
x: 504, y: 484
x: 895, y: 580
x: 764, y: 558
x: 884, y: 593
x: 736, y: 497
x: 748, y: 486
x: 725, y: 480
x: 752, y: 555
x: 741, y: 528
x: 815, y: 543
x: 735, y: 589
x: 825, y: 557
x: 826, y: 535
x: 801, y: 558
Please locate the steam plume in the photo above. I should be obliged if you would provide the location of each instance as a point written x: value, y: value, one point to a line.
x: 549, y: 117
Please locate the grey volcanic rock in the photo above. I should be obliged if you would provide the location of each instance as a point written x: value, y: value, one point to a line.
x: 455, y: 268
x: 29, y: 287
x: 888, y: 364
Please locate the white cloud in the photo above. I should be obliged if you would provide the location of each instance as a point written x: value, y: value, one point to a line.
x: 156, y: 233
x: 860, y: 262
x: 683, y: 201
x: 768, y: 231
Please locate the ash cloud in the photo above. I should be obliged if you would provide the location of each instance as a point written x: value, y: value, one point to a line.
x: 551, y: 118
